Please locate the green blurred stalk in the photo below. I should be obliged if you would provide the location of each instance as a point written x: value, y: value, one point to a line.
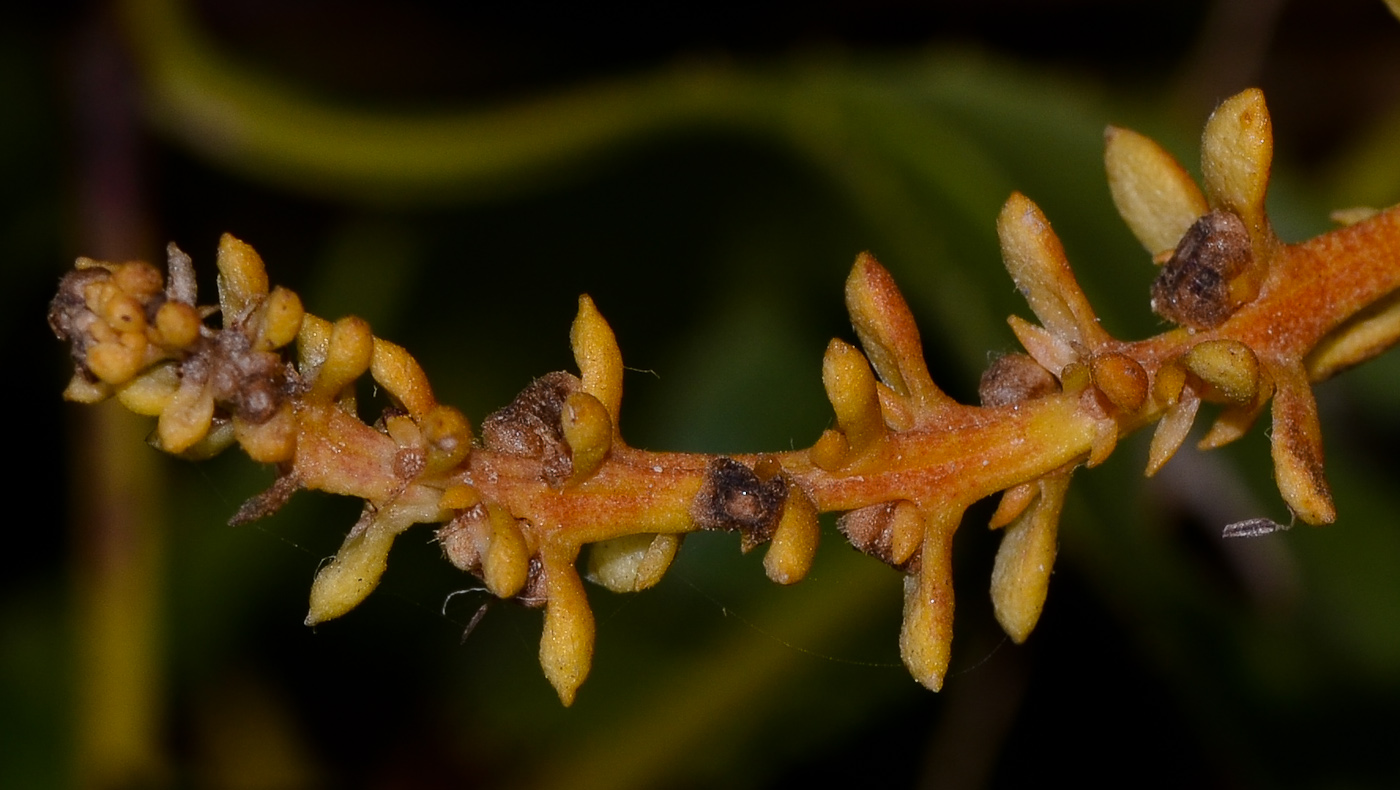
x: 118, y: 533
x: 258, y: 126
x: 117, y: 564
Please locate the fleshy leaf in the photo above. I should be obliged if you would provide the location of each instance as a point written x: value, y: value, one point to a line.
x: 1036, y: 261
x: 1014, y: 502
x: 187, y: 416
x: 1237, y: 150
x: 589, y: 431
x: 344, y: 582
x: 794, y: 542
x: 1297, y: 447
x: 566, y: 644
x: 242, y: 278
x: 850, y: 386
x: 1021, y: 575
x: 1367, y: 334
x: 598, y: 358
x: 400, y: 374
x: 888, y: 333
x: 1172, y: 430
x: 349, y: 353
x: 1051, y: 351
x: 926, y: 637
x: 1153, y: 193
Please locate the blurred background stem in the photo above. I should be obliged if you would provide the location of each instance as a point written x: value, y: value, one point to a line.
x: 118, y: 530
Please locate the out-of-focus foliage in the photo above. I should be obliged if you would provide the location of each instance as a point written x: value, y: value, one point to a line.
x: 711, y: 206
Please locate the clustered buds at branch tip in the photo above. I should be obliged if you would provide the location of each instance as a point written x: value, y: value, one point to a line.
x: 550, y: 474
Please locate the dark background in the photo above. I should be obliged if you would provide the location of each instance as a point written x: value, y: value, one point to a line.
x: 716, y: 243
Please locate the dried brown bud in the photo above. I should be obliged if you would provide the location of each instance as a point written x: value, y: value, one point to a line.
x: 735, y: 500
x: 890, y: 532
x: 1015, y: 378
x: 252, y: 384
x: 1195, y: 286
x: 532, y: 425
x: 69, y: 316
x: 466, y: 537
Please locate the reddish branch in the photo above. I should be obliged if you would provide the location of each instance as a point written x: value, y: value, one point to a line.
x: 550, y: 473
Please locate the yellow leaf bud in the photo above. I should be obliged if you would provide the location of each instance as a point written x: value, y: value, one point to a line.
x: 398, y: 372
x: 460, y: 497
x: 1228, y: 366
x: 448, y: 435
x: 124, y: 314
x: 830, y: 451
x: 1121, y: 379
x: 888, y: 333
x: 114, y: 362
x: 313, y: 342
x: 926, y: 636
x: 269, y: 442
x: 1172, y: 429
x: 566, y: 645
x: 794, y: 542
x: 81, y: 389
x: 348, y: 355
x: 281, y: 319
x: 187, y: 417
x: 1051, y: 351
x: 403, y: 430
x: 1104, y: 442
x: 1014, y: 502
x: 1168, y: 382
x: 631, y: 563
x: 177, y: 324
x: 588, y: 430
x: 242, y: 278
x: 150, y: 393
x: 1036, y: 261
x: 352, y: 575
x: 137, y: 278
x: 1237, y: 150
x: 891, y: 532
x: 1076, y: 377
x: 505, y: 565
x: 1021, y: 574
x: 598, y: 358
x: 850, y: 385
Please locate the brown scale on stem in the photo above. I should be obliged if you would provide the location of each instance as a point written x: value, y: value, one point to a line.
x: 1200, y: 285
x: 552, y: 475
x: 1015, y: 378
x: 532, y: 426
x: 734, y: 499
